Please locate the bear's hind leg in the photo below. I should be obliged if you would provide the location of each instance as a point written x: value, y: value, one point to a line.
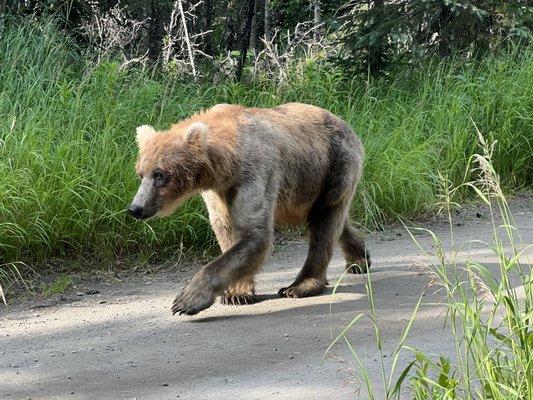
x: 357, y: 257
x: 325, y: 224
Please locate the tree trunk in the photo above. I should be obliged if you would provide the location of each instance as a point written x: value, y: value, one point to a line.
x: 155, y: 31
x: 267, y: 21
x: 229, y: 33
x: 245, y: 39
x: 444, y: 18
x: 376, y: 51
x: 253, y: 34
x: 240, y: 24
x: 316, y: 20
x: 208, y: 12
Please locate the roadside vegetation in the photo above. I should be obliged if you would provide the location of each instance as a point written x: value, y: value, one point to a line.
x: 488, y: 309
x: 67, y: 146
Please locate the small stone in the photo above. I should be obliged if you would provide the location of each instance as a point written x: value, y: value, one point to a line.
x: 102, y: 302
x: 164, y: 384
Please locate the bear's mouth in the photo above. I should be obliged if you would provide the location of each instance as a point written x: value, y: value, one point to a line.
x: 168, y: 208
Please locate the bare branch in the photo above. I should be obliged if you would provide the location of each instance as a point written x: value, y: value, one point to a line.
x: 181, y: 46
x: 113, y: 32
x: 187, y: 40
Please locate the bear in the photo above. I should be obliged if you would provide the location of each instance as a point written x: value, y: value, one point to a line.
x: 255, y: 168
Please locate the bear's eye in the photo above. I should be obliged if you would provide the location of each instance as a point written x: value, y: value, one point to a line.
x: 159, y: 177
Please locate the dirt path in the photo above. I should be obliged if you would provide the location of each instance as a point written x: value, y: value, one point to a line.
x: 123, y: 343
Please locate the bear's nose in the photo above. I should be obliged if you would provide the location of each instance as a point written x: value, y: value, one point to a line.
x: 135, y: 211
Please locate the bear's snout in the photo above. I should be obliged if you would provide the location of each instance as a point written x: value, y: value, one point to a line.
x: 136, y: 211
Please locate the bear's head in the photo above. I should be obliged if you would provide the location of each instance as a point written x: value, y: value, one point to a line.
x: 170, y: 166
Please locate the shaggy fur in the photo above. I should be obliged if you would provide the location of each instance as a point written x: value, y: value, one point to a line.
x: 255, y: 168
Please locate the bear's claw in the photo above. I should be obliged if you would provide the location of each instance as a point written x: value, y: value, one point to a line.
x: 239, y: 300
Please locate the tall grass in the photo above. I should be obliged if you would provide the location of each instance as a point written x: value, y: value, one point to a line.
x: 67, y: 145
x: 488, y: 311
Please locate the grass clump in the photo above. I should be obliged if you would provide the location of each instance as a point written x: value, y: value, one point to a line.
x: 67, y: 145
x: 489, y: 312
x: 58, y: 286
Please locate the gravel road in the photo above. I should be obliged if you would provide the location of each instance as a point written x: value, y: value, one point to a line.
x: 120, y: 341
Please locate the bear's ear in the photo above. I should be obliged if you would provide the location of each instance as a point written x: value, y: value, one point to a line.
x: 196, y: 133
x: 144, y: 134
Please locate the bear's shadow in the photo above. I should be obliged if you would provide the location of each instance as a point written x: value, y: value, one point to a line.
x: 274, y: 296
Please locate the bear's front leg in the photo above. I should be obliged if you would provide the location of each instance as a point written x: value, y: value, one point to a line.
x: 240, y: 262
x: 252, y: 216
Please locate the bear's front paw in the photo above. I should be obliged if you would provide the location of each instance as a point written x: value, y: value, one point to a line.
x: 195, y: 297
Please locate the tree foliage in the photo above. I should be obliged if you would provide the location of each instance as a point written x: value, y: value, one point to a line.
x: 376, y: 33
x: 371, y: 35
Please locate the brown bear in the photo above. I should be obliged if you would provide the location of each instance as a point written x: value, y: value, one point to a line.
x: 255, y: 168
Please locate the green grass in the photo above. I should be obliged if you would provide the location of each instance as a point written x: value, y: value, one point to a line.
x: 488, y: 311
x: 67, y: 145
x: 58, y: 286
